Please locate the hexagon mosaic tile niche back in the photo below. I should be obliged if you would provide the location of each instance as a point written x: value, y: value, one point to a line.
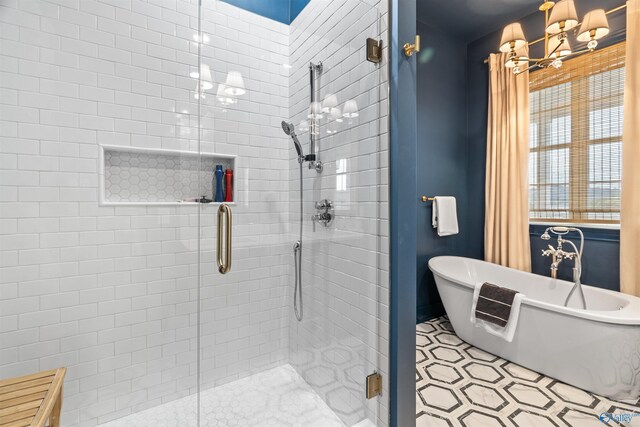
x: 458, y: 385
x: 154, y: 178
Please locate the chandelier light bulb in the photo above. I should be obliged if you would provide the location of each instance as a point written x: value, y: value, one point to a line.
x: 517, y: 57
x: 512, y: 38
x: 516, y: 70
x: 315, y: 111
x: 594, y: 26
x: 557, y: 63
x: 222, y: 96
x: 350, y: 109
x: 563, y: 17
x: 234, y: 85
x: 329, y: 102
x: 559, y: 47
x: 592, y: 44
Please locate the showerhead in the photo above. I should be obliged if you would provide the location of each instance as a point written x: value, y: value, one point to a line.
x: 288, y: 128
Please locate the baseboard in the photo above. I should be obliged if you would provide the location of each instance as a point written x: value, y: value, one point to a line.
x: 428, y: 312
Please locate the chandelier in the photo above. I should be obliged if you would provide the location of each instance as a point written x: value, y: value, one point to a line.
x: 559, y: 19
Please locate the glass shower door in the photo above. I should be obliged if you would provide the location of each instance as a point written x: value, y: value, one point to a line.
x: 258, y: 364
x: 244, y: 312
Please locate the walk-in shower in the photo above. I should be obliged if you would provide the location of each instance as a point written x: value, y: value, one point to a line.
x: 125, y: 127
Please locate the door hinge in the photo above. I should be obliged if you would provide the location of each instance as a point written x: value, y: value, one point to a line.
x: 374, y: 50
x: 374, y: 385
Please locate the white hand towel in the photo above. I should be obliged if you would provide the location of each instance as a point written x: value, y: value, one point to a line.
x: 508, y: 332
x: 444, y: 216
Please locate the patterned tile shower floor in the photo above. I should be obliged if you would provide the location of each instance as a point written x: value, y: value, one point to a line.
x: 274, y: 398
x: 460, y: 385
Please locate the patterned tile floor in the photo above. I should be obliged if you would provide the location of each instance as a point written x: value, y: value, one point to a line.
x: 274, y: 398
x: 460, y: 385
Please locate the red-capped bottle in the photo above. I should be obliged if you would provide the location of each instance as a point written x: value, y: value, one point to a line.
x: 228, y: 185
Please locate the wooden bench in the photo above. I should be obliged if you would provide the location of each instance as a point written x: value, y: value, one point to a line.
x: 32, y: 400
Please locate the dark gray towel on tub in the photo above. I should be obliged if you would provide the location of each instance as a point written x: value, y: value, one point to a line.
x: 494, y: 304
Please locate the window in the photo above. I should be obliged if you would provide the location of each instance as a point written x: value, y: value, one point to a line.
x: 575, y: 139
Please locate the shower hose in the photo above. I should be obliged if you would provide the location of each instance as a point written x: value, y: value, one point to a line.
x: 297, y: 259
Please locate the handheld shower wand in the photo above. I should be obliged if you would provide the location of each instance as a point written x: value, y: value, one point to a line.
x: 288, y: 128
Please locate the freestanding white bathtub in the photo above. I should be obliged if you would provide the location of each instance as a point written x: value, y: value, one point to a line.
x: 597, y: 349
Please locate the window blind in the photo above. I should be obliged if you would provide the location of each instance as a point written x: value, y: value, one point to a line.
x: 575, y: 138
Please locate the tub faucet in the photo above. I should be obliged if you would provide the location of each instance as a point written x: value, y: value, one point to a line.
x: 558, y: 254
x: 556, y: 258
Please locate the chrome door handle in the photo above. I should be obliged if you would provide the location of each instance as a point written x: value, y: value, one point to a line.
x: 224, y: 262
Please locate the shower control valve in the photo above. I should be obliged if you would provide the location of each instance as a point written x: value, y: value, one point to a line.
x: 324, y: 205
x: 324, y: 212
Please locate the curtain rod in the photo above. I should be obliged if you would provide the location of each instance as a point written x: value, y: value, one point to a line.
x: 615, y: 9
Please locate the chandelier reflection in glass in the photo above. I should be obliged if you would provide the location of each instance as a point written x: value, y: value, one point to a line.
x: 330, y: 112
x: 560, y: 18
x: 227, y: 93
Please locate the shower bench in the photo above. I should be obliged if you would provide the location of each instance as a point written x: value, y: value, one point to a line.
x: 31, y: 400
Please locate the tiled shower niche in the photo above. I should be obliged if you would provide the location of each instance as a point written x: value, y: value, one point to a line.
x: 140, y: 176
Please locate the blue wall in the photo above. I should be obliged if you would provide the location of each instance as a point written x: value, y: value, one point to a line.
x: 284, y: 11
x: 601, y: 255
x: 442, y: 155
x: 402, y: 216
x: 600, y: 260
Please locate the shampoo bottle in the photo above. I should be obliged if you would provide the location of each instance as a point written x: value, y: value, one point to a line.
x: 218, y: 177
x: 228, y: 185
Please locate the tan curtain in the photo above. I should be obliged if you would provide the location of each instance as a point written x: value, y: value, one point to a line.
x: 506, y: 229
x: 630, y: 203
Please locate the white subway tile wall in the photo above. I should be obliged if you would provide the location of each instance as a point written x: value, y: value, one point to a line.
x: 112, y: 292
